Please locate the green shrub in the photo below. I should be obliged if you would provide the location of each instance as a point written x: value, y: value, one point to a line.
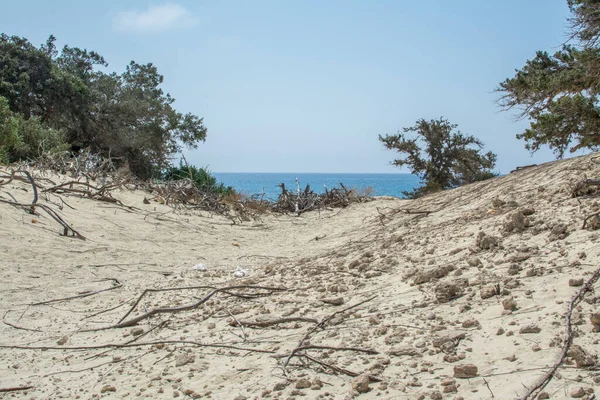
x: 25, y: 139
x: 201, y: 177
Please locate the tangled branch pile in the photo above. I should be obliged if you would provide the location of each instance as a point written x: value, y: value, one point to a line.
x: 308, y: 200
x: 96, y: 177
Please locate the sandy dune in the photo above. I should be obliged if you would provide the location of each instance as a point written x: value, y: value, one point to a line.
x: 462, y: 294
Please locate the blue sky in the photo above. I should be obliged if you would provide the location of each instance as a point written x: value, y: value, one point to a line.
x: 306, y: 86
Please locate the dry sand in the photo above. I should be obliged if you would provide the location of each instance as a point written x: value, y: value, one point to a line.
x: 437, y: 301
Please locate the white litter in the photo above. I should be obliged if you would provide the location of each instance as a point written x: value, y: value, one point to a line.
x: 199, y: 267
x: 240, y: 272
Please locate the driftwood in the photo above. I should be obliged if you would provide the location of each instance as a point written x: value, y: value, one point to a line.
x: 116, y: 285
x: 135, y: 344
x: 523, y: 167
x: 307, y: 200
x: 123, y: 323
x: 265, y: 324
x: 568, y: 340
x: 15, y: 389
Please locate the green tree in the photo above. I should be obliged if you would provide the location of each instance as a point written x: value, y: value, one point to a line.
x: 126, y: 116
x: 440, y: 155
x: 559, y: 92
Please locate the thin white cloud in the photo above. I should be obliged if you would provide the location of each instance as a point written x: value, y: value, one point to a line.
x: 154, y: 19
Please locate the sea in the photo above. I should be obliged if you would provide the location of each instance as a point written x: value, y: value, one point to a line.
x: 391, y: 184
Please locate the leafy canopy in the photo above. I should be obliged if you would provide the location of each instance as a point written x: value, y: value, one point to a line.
x: 440, y: 155
x: 559, y: 92
x: 125, y: 116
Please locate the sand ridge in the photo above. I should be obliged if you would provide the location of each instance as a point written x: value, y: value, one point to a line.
x: 461, y: 294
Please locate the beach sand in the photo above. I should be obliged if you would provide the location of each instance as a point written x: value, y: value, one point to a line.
x: 462, y: 294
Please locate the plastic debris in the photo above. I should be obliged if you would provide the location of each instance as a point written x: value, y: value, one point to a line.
x: 199, y: 267
x: 240, y: 272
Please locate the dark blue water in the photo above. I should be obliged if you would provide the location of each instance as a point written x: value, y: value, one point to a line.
x: 254, y: 183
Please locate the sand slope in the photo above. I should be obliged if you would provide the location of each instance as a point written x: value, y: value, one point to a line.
x: 433, y: 298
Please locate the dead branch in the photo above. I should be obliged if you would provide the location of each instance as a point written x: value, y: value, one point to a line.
x: 265, y: 324
x: 17, y: 326
x: 116, y: 285
x: 321, y: 325
x: 67, y: 229
x: 338, y: 369
x: 586, y: 188
x: 315, y: 347
x: 123, y: 324
x: 15, y: 389
x: 585, y: 221
x: 331, y: 367
x: 568, y: 340
x: 128, y: 345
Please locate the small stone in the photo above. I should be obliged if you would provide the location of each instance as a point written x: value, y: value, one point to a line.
x: 336, y: 301
x: 184, y: 359
x: 486, y: 242
x: 447, y: 382
x: 279, y: 386
x: 419, y: 343
x: 474, y: 261
x: 450, y: 388
x: 464, y: 371
x: 509, y: 304
x: 543, y: 396
x: 513, y: 269
x: 500, y: 331
x: 536, y: 348
x: 454, y: 336
x: 361, y: 383
x: 497, y: 203
x: 238, y: 397
x: 435, y: 396
x: 372, y: 274
x: 577, y: 393
x: 581, y: 357
x: 448, y: 291
x: 316, y: 384
x: 137, y: 331
x: 470, y: 323
x: 558, y: 232
x: 488, y: 291
x: 511, y: 358
x: 530, y: 329
x: 63, y: 340
x: 108, y: 388
x: 576, y: 282
x: 303, y: 384
x: 595, y: 319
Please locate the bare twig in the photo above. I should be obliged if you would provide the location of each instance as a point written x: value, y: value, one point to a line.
x: 127, y: 345
x: 125, y: 323
x: 116, y: 285
x: 320, y: 325
x: 67, y: 229
x: 15, y: 389
x: 264, y: 324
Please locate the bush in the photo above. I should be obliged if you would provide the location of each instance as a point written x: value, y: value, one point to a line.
x: 201, y: 178
x: 25, y: 139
